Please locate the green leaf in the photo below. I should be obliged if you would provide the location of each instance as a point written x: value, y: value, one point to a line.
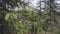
x: 14, y: 16
x: 7, y: 16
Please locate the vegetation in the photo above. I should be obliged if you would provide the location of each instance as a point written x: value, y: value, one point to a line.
x: 29, y: 21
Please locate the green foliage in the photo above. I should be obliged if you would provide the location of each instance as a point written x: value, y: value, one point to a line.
x: 7, y: 16
x: 29, y: 22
